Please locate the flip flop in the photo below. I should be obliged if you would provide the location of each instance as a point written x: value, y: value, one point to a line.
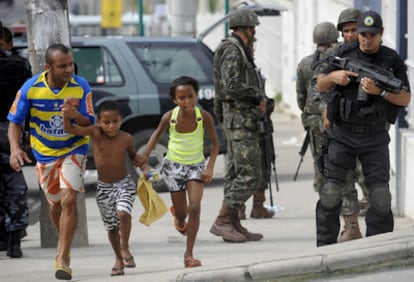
x: 55, y: 263
x: 182, y: 230
x: 63, y: 272
x: 129, y: 261
x: 117, y: 271
x: 191, y: 262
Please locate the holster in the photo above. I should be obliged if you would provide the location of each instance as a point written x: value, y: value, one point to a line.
x: 332, y: 102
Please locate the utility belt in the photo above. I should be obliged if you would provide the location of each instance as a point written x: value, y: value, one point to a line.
x: 230, y: 106
x: 359, y: 128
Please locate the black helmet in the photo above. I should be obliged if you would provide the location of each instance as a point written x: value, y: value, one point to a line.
x: 243, y: 18
x: 324, y: 33
x: 348, y: 16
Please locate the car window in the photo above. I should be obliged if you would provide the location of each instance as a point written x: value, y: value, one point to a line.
x: 97, y: 66
x: 166, y: 61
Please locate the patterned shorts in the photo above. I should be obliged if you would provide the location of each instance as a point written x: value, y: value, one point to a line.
x: 64, y: 173
x: 114, y: 197
x: 177, y: 175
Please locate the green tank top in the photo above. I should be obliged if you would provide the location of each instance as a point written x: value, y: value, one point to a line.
x: 186, y: 148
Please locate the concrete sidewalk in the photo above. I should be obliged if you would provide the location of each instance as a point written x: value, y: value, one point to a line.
x: 288, y: 247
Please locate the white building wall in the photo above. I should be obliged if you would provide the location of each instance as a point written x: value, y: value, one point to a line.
x: 410, y: 60
x: 406, y: 195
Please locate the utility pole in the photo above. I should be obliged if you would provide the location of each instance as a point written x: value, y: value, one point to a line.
x: 183, y: 17
x: 47, y: 23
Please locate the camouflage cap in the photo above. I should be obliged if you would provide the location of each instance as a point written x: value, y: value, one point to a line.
x: 243, y: 18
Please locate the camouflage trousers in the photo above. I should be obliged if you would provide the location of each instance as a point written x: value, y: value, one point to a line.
x: 244, y: 166
x: 13, y: 200
x: 350, y: 202
x: 317, y: 140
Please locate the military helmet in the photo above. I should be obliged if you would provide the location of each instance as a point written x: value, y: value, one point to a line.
x: 348, y: 16
x: 324, y: 33
x: 243, y: 18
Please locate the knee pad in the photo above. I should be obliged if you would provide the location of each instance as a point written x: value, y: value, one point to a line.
x: 331, y: 195
x: 380, y: 199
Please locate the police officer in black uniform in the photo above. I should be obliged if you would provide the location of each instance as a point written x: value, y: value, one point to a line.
x: 359, y: 113
x: 14, y: 70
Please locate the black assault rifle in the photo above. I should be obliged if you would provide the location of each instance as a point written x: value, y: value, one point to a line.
x: 382, y: 77
x: 268, y: 149
x: 302, y: 153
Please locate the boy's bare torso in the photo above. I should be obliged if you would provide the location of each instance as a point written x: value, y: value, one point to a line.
x: 109, y: 155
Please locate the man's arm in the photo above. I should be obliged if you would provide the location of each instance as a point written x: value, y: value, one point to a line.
x: 82, y: 126
x: 17, y: 156
x: 401, y: 98
x: 326, y: 81
x: 301, y: 91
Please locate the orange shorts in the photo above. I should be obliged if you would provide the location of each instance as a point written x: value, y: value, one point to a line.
x: 64, y: 173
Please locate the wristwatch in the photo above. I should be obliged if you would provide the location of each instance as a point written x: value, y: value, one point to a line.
x: 384, y: 93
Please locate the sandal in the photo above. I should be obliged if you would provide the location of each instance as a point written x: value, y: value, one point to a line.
x: 191, y: 262
x: 117, y: 271
x: 129, y: 261
x: 55, y: 263
x: 182, y: 230
x: 63, y: 272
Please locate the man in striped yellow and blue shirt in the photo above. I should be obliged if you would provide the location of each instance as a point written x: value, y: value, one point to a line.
x: 60, y: 156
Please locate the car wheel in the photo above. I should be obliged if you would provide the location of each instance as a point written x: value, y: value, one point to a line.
x: 154, y: 161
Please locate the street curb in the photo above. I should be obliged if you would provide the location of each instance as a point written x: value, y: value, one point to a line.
x: 318, y: 263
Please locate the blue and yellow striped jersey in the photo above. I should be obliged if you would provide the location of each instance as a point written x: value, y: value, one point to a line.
x: 48, y: 139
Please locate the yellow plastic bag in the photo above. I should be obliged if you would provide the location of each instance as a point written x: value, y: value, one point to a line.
x: 154, y: 206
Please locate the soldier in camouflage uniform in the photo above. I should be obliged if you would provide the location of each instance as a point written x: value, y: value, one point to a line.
x: 240, y: 103
x: 310, y: 101
x: 13, y: 189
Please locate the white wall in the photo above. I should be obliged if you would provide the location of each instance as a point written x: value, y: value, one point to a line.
x: 406, y: 195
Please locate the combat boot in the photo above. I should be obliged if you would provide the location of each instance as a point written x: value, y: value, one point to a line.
x: 3, y: 245
x: 223, y: 226
x: 259, y: 211
x: 242, y: 212
x: 249, y: 235
x: 4, y: 237
x: 13, y: 248
x: 351, y: 229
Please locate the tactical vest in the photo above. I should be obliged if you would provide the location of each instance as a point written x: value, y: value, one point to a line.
x: 374, y: 111
x: 252, y: 76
